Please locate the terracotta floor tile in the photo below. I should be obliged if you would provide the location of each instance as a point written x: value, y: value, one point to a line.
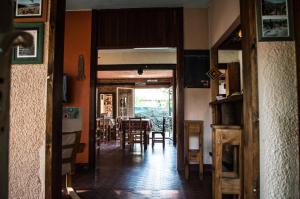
x: 152, y: 174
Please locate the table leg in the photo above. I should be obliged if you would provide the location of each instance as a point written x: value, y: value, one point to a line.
x: 123, y: 139
x: 145, y: 140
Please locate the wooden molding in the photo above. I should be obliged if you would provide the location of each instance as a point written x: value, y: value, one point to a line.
x: 250, y: 100
x: 93, y: 82
x: 54, y: 100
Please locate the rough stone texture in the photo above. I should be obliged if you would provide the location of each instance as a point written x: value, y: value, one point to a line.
x: 279, y: 154
x: 27, y: 130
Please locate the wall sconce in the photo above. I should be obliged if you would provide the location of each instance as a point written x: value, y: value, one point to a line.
x: 80, y: 74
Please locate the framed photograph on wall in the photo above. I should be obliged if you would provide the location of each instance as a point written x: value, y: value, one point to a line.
x: 35, y: 53
x: 275, y: 20
x: 30, y: 10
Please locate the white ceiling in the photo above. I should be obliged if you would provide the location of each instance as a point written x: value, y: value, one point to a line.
x: 115, y: 4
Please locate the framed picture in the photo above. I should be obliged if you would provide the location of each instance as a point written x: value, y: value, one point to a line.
x: 30, y: 10
x: 33, y: 54
x: 275, y: 20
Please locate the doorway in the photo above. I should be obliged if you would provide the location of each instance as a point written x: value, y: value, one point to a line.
x: 156, y: 104
x: 125, y: 72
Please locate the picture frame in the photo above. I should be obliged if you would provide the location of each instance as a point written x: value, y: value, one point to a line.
x: 30, y: 11
x: 275, y: 20
x: 34, y: 54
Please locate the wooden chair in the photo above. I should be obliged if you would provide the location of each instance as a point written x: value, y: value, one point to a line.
x: 107, y: 130
x: 70, y: 147
x: 136, y: 132
x: 193, y: 139
x: 162, y: 133
x: 103, y: 131
x: 118, y: 127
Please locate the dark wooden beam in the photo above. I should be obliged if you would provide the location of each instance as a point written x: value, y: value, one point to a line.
x: 118, y: 67
x: 137, y: 27
x: 250, y: 100
x: 93, y: 82
x: 174, y: 108
x: 180, y: 93
x: 214, y: 59
x: 6, y: 30
x: 297, y: 40
x: 54, y: 99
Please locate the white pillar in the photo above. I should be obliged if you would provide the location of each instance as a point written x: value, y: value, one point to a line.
x: 279, y: 147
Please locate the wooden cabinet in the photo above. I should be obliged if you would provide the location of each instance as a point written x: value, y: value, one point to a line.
x: 233, y: 78
x: 228, y: 111
x: 193, y: 137
x: 227, y: 141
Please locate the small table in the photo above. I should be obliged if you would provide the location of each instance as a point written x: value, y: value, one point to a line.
x: 146, y: 125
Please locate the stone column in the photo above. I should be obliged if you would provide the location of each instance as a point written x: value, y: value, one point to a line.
x: 279, y: 151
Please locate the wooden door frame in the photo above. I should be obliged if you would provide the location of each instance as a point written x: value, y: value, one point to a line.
x: 54, y: 100
x: 6, y: 30
x: 120, y: 67
x: 297, y: 43
x: 179, y: 91
x: 250, y: 100
x: 247, y: 20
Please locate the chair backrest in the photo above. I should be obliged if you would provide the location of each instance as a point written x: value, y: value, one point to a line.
x: 135, y: 124
x: 118, y: 123
x: 164, y: 125
x: 102, y: 124
x: 70, y: 145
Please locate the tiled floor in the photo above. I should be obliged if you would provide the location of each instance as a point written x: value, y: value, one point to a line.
x: 132, y: 175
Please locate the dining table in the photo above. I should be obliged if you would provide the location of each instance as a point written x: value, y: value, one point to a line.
x: 107, y: 120
x: 135, y: 125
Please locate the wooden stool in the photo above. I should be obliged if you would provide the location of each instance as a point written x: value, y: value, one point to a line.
x: 227, y: 182
x: 193, y: 139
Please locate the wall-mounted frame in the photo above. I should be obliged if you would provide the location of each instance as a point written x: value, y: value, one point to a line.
x: 35, y: 53
x: 108, y: 100
x: 275, y: 20
x: 30, y: 10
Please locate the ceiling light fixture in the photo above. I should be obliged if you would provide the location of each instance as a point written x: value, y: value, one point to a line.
x: 140, y: 71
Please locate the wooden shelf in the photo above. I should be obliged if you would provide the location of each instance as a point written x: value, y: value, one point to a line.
x: 230, y: 99
x: 216, y: 126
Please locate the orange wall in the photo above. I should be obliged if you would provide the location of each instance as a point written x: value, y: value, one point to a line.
x: 78, y: 26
